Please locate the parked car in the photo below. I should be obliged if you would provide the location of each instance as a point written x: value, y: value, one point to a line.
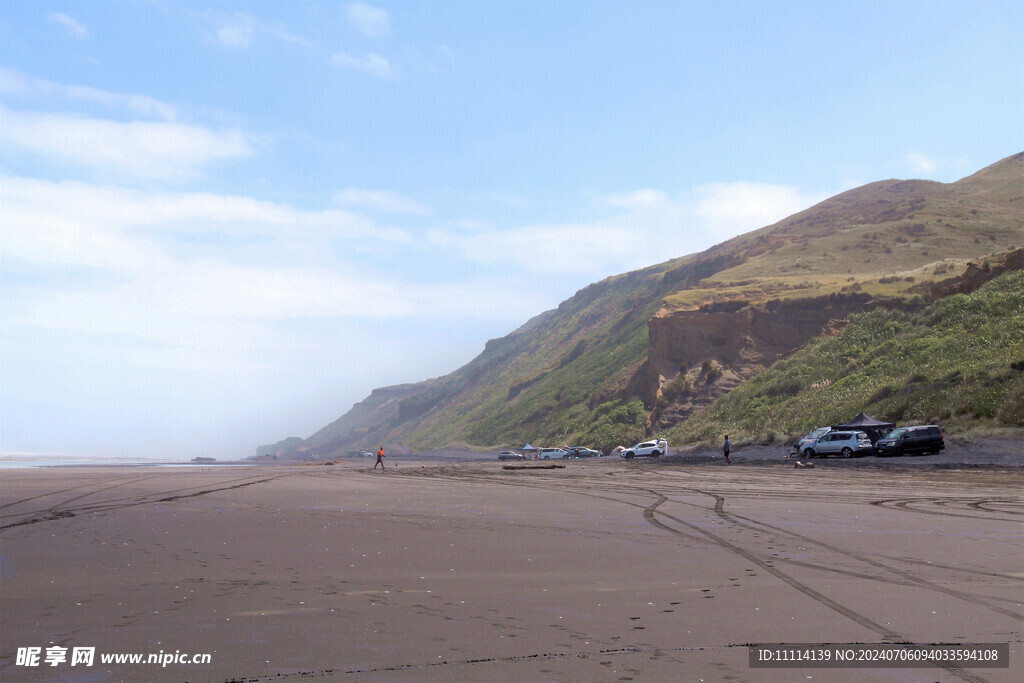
x: 581, y: 452
x: 509, y: 455
x: 645, y: 449
x: 551, y: 453
x: 921, y: 439
x: 846, y: 444
x: 811, y: 438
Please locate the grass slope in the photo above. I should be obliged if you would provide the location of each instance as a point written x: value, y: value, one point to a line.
x: 557, y: 372
x: 958, y: 363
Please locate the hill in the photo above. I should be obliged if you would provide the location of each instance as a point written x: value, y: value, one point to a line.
x: 649, y: 351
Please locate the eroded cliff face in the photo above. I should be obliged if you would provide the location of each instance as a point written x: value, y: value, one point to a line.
x: 696, y: 356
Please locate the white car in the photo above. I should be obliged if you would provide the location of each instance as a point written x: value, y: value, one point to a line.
x: 551, y: 453
x: 651, y: 449
x: 509, y: 455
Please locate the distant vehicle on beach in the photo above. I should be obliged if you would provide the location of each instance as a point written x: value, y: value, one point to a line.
x: 923, y: 439
x: 364, y: 454
x: 551, y: 453
x: 811, y: 438
x: 846, y: 444
x: 649, y: 449
x: 510, y: 455
x: 582, y: 452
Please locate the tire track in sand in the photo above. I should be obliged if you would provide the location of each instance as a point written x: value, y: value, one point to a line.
x: 886, y: 633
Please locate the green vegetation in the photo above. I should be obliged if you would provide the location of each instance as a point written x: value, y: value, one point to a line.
x: 958, y: 363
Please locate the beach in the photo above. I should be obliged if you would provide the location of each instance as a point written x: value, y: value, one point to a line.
x: 604, y: 570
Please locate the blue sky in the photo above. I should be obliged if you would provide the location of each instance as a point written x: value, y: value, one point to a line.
x: 224, y: 223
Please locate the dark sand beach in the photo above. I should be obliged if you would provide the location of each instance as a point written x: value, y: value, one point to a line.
x: 602, y: 571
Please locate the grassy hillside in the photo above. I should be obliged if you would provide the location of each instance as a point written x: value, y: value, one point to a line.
x: 882, y: 237
x: 552, y: 371
x: 958, y: 363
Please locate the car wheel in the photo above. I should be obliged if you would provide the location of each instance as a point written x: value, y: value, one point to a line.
x: 629, y: 455
x: 547, y: 457
x: 809, y: 452
x: 847, y: 452
x: 655, y: 453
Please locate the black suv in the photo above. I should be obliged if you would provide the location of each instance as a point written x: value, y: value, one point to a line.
x: 922, y: 439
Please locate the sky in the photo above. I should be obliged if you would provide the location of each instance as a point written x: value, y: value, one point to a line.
x: 224, y: 223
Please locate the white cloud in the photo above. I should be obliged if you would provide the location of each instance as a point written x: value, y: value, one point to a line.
x: 648, y: 227
x: 730, y: 209
x: 78, y: 224
x: 372, y: 64
x: 370, y: 21
x: 571, y: 248
x: 13, y: 82
x: 74, y: 28
x: 142, y: 148
x: 267, y: 262
x: 236, y: 31
x: 921, y: 164
x: 240, y: 30
x: 288, y: 37
x: 381, y: 200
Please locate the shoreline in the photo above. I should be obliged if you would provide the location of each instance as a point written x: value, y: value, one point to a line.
x: 988, y: 453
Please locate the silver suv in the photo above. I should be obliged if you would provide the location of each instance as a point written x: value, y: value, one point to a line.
x: 846, y: 444
x: 551, y: 453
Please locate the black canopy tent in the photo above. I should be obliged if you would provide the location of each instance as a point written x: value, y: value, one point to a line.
x: 875, y: 429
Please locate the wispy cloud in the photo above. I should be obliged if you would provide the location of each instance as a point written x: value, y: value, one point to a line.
x: 372, y: 64
x: 240, y: 31
x: 165, y: 265
x: 921, y: 164
x: 236, y: 30
x: 730, y: 209
x: 380, y: 200
x: 370, y: 21
x: 143, y: 148
x: 74, y: 28
x: 16, y: 83
x: 640, y: 228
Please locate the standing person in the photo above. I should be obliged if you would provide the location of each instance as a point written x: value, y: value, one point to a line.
x: 380, y: 458
x: 663, y: 445
x: 726, y: 447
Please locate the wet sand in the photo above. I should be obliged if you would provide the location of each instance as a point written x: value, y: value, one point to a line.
x: 605, y: 570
